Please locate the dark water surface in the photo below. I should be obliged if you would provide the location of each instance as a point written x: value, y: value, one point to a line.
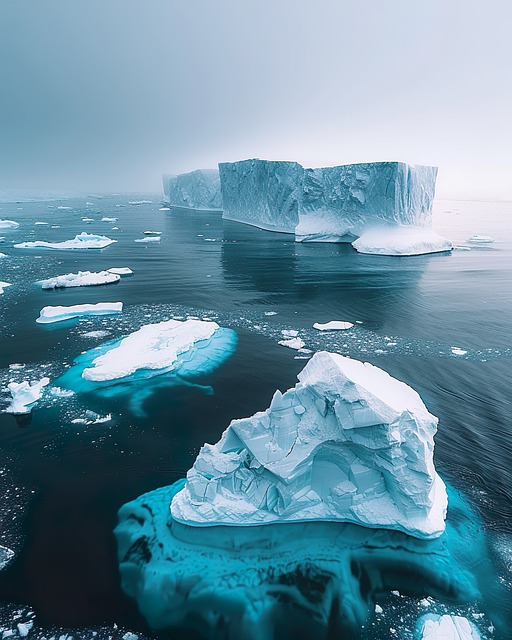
x: 63, y: 482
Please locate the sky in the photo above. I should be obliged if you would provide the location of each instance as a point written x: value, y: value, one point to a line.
x: 106, y: 95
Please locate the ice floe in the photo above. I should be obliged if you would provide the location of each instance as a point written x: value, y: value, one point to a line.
x: 121, y: 271
x: 292, y: 343
x: 396, y: 240
x: 446, y: 627
x: 9, y: 224
x: 109, y: 219
x: 3, y: 285
x: 333, y: 325
x: 25, y: 394
x: 347, y: 443
x: 478, y: 239
x: 81, y: 241
x: 80, y: 279
x: 52, y: 314
x: 149, y: 239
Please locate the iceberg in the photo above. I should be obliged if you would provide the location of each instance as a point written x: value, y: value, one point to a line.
x: 80, y: 279
x: 24, y: 395
x: 198, y: 189
x: 9, y: 224
x: 446, y: 627
x: 3, y: 285
x: 331, y: 204
x: 348, y: 443
x: 50, y: 314
x: 81, y: 241
x: 401, y: 240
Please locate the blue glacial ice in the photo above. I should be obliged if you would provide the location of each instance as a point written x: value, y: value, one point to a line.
x: 348, y: 443
x: 198, y: 189
x: 50, y: 314
x: 156, y: 356
x: 335, y: 204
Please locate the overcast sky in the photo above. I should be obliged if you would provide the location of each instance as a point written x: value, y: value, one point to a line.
x: 109, y: 94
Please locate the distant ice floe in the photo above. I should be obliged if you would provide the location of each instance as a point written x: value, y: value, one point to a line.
x: 292, y: 343
x: 457, y: 351
x: 446, y: 627
x: 81, y: 241
x: 137, y: 202
x: 477, y: 239
x: 100, y: 333
x: 121, y: 271
x: 149, y: 239
x: 109, y: 220
x: 50, y: 314
x: 92, y: 418
x: 397, y: 240
x: 333, y: 325
x: 9, y: 224
x: 80, y: 279
x: 3, y: 285
x: 41, y: 223
x: 3, y: 255
x: 6, y: 555
x: 153, y: 233
x: 25, y: 394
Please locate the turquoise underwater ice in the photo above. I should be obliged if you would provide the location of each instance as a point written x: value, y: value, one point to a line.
x: 260, y: 582
x: 203, y: 357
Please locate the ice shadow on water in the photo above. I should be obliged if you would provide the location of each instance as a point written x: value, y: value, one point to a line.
x: 200, y: 359
x: 303, y: 580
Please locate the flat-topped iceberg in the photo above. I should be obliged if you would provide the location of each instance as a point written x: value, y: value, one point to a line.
x: 347, y: 443
x: 50, y: 314
x: 25, y: 394
x: 121, y: 271
x: 401, y: 240
x: 9, y: 224
x: 81, y: 241
x: 80, y: 279
x: 331, y: 204
x: 198, y: 189
x: 333, y: 325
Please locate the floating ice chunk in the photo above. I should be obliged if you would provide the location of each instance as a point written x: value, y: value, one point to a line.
x: 62, y: 208
x: 109, y: 219
x: 149, y: 239
x: 96, y: 334
x: 58, y: 392
x: 347, y: 443
x: 3, y: 285
x: 24, y: 628
x: 16, y: 366
x: 396, y: 240
x: 446, y: 627
x: 138, y: 202
x: 121, y: 271
x: 81, y: 241
x: 50, y: 314
x: 80, y: 279
x: 333, y: 325
x: 9, y: 224
x: 87, y: 219
x: 3, y: 255
x: 198, y: 189
x: 153, y: 347
x: 457, y: 351
x: 478, y: 239
x: 270, y: 313
x: 153, y: 233
x: 290, y: 333
x: 6, y: 555
x: 41, y: 223
x: 92, y: 418
x: 25, y: 394
x: 164, y: 209
x: 292, y: 343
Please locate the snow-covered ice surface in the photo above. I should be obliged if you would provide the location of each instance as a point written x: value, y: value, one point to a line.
x: 401, y: 240
x: 446, y: 627
x: 348, y: 443
x: 81, y: 241
x: 51, y: 314
x: 198, y: 189
x: 25, y: 394
x: 9, y: 224
x: 80, y: 279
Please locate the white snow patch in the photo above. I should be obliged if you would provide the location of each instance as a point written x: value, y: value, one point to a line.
x: 3, y: 285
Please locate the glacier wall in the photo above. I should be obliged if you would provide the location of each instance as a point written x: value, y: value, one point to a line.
x: 348, y: 443
x: 198, y: 189
x: 331, y: 204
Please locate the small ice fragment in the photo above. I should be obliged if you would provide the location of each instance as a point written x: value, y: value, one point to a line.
x: 457, y: 351
x: 333, y: 325
x: 289, y: 333
x: 137, y: 202
x: 477, y: 239
x: 15, y: 366
x: 164, y: 209
x: 80, y: 279
x: 50, y: 314
x: 3, y: 285
x: 270, y: 313
x: 87, y: 219
x: 149, y: 239
x: 9, y: 224
x: 109, y: 219
x: 41, y: 223
x: 121, y: 271
x: 58, y: 392
x: 292, y: 343
x: 24, y: 628
x: 96, y: 334
x: 24, y: 395
x: 153, y: 233
x: 378, y: 609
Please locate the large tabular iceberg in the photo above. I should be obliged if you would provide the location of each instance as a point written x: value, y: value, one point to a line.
x: 80, y: 279
x: 347, y: 443
x: 48, y: 315
x: 81, y: 241
x: 198, y: 189
x: 331, y: 204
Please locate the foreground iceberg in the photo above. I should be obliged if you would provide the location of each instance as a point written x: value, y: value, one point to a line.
x: 347, y: 443
x: 9, y: 224
x: 81, y: 241
x: 332, y: 204
x: 198, y: 189
x: 25, y: 394
x: 50, y: 314
x: 395, y: 240
x: 436, y: 627
x: 80, y: 279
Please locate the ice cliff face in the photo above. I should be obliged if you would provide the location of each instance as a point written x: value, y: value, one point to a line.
x: 332, y: 204
x: 348, y: 443
x: 198, y: 189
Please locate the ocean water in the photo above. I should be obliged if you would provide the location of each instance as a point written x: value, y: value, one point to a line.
x: 62, y: 483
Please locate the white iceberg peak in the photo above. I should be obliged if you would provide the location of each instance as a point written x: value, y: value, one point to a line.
x: 347, y: 443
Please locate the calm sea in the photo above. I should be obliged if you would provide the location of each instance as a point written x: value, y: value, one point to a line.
x: 62, y: 483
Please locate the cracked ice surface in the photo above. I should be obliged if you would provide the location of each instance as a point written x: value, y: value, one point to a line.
x: 81, y: 241
x: 198, y: 189
x: 347, y: 443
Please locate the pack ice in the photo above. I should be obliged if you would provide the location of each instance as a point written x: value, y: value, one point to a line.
x: 81, y: 241
x: 80, y: 279
x: 332, y: 204
x: 198, y: 189
x: 51, y: 314
x: 348, y: 443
